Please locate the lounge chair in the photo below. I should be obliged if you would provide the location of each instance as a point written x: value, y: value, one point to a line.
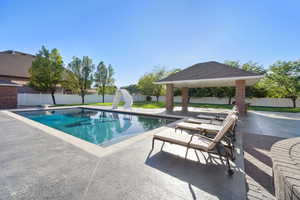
x: 218, y: 117
x: 197, y: 127
x: 211, y: 129
x: 191, y: 124
x: 200, y: 142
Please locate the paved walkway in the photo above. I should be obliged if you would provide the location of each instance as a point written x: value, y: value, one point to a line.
x: 258, y: 166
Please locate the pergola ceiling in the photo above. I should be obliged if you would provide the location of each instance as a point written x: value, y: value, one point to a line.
x: 222, y: 82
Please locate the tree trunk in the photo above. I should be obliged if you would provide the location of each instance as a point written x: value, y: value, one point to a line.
x: 53, y: 97
x: 82, y: 97
x: 229, y: 100
x: 103, y: 93
x: 157, y: 98
x: 294, y: 102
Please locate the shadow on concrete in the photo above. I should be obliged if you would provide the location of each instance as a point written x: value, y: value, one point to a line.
x: 260, y: 176
x: 210, y: 177
x: 259, y: 156
x: 254, y: 145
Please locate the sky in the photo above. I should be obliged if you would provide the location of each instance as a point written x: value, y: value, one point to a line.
x: 135, y: 36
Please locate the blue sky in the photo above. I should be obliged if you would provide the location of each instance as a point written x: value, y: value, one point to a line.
x: 136, y: 35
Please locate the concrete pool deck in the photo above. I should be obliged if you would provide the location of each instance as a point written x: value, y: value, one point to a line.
x: 37, y: 165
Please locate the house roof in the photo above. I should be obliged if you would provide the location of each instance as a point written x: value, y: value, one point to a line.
x: 210, y: 74
x: 15, y: 63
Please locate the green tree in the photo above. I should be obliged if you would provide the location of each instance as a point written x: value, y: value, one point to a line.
x: 108, y: 90
x: 249, y: 66
x: 147, y: 84
x: 46, y: 71
x: 257, y: 90
x: 260, y: 89
x: 132, y: 89
x: 159, y: 89
x: 228, y: 92
x: 79, y: 76
x: 232, y: 63
x: 253, y: 67
x: 201, y: 92
x: 104, y: 78
x: 284, y: 80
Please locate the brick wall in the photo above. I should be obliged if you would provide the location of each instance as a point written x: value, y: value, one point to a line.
x: 20, y: 81
x: 24, y: 87
x: 8, y: 97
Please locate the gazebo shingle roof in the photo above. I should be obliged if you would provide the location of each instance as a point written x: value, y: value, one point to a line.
x: 208, y: 70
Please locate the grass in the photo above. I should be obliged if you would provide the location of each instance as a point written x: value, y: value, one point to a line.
x: 275, y: 109
x: 92, y: 104
x: 152, y: 105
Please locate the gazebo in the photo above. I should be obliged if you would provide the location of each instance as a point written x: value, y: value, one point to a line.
x: 208, y: 74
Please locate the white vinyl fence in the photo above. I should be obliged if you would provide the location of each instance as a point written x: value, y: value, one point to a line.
x: 26, y: 99
x: 272, y: 102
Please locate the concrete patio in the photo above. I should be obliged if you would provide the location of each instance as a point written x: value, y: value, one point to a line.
x: 37, y: 165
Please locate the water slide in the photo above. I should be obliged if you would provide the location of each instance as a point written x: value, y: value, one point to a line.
x: 126, y: 97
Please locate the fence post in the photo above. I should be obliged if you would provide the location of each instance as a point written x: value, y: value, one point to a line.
x: 24, y: 98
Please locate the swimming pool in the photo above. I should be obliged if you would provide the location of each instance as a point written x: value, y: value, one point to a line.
x: 96, y: 126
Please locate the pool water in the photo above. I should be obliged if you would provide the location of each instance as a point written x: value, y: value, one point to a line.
x: 96, y: 126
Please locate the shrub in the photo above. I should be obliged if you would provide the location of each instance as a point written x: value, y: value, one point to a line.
x: 148, y: 98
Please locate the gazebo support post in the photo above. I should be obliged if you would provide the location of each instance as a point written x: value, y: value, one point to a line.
x: 169, y: 97
x: 240, y: 95
x: 184, y: 99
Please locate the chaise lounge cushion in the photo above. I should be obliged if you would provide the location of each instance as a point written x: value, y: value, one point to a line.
x: 198, y: 127
x: 201, y: 143
x: 184, y: 139
x: 198, y: 121
x: 189, y: 126
x: 210, y: 127
x: 206, y: 116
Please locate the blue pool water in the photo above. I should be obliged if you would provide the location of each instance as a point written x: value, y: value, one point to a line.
x: 96, y: 126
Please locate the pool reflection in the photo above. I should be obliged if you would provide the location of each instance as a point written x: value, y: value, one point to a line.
x: 95, y: 126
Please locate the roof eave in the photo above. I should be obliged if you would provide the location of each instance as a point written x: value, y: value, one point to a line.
x: 211, y: 79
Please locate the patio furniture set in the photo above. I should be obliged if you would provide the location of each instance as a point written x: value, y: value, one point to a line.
x: 213, y: 135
